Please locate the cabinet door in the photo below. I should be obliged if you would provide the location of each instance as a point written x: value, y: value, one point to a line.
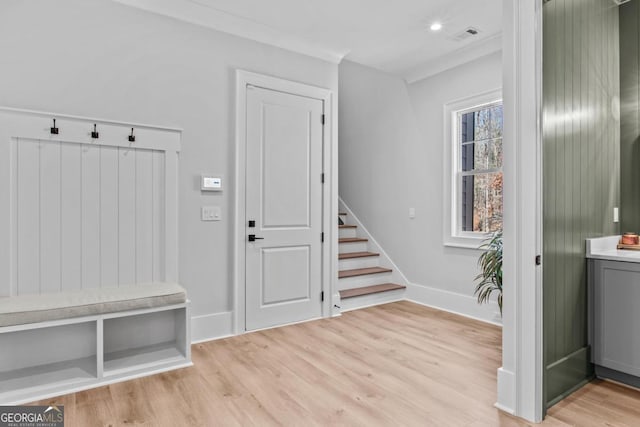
x: 617, y: 316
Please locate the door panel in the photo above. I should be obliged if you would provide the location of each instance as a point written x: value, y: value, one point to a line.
x: 284, y: 198
x: 286, y: 146
x: 285, y: 275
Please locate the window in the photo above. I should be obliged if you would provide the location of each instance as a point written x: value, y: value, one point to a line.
x: 473, y: 148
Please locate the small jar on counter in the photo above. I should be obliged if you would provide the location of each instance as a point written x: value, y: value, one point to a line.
x: 629, y: 238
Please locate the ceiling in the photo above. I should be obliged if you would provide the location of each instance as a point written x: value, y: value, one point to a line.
x: 392, y: 36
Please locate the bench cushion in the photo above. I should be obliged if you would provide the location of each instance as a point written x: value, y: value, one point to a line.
x: 63, y: 305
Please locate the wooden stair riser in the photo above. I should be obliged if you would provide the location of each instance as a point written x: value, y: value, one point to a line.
x: 347, y: 232
x: 349, y: 264
x: 372, y: 299
x: 366, y: 280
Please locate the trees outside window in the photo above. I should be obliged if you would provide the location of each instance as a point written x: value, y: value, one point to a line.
x: 473, y: 169
x: 480, y: 169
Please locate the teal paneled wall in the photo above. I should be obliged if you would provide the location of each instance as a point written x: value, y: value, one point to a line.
x: 630, y: 116
x: 581, y: 173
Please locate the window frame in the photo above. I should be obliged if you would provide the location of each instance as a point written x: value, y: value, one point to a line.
x: 453, y: 234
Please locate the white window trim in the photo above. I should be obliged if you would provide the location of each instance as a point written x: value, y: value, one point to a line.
x: 452, y: 237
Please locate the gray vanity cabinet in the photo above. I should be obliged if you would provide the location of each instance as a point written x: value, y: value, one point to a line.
x: 615, y: 319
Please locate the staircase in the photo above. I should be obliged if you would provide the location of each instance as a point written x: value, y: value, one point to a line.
x: 364, y: 276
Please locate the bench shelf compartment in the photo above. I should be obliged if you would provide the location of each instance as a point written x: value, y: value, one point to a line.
x: 47, y: 359
x: 144, y: 341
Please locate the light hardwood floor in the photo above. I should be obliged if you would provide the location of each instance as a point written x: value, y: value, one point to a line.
x: 390, y: 365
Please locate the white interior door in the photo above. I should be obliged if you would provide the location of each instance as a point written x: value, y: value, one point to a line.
x: 284, y: 199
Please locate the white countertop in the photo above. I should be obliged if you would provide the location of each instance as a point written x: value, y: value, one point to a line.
x: 605, y: 248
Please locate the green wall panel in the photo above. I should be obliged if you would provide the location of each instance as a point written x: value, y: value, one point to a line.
x: 581, y: 173
x: 630, y: 116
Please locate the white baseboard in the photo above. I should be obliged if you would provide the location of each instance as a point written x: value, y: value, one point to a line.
x: 506, y: 391
x: 211, y: 326
x: 220, y: 325
x: 452, y: 302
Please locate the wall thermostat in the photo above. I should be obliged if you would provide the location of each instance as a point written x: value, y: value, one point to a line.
x: 211, y: 183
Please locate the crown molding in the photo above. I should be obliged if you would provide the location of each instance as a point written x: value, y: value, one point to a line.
x: 206, y: 16
x: 454, y: 59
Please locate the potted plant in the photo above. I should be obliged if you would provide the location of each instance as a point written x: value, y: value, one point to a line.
x: 490, y: 263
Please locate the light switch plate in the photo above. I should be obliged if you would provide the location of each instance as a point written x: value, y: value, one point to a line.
x: 211, y: 213
x: 412, y: 213
x: 616, y: 215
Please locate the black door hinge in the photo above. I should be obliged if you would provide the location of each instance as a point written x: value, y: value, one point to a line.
x: 322, y: 177
x: 322, y: 237
x: 322, y: 296
x: 322, y: 119
x: 538, y: 259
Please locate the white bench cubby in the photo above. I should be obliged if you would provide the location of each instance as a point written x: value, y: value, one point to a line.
x: 47, y: 359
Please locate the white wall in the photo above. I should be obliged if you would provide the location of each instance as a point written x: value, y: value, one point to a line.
x: 101, y: 59
x: 391, y: 159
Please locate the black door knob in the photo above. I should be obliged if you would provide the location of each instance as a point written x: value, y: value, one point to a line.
x: 253, y: 238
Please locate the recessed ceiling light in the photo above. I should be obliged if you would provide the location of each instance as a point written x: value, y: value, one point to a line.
x: 436, y: 26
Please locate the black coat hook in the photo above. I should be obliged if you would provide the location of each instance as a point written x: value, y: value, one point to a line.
x: 54, y: 129
x: 132, y: 137
x: 95, y: 134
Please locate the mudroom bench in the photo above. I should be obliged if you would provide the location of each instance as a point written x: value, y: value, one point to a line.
x: 53, y: 344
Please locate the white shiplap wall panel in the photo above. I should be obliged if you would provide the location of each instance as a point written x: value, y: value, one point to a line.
x: 158, y: 219
x: 88, y: 216
x: 28, y: 217
x: 90, y: 226
x: 108, y: 189
x: 10, y: 216
x: 127, y: 216
x: 144, y: 214
x: 71, y: 216
x: 49, y: 212
x: 170, y: 217
x: 80, y: 213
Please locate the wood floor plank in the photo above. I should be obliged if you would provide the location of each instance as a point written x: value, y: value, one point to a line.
x: 389, y: 365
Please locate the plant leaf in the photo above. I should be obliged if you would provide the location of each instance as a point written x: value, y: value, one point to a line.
x: 490, y: 264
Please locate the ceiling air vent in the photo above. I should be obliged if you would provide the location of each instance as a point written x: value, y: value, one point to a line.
x: 469, y: 32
